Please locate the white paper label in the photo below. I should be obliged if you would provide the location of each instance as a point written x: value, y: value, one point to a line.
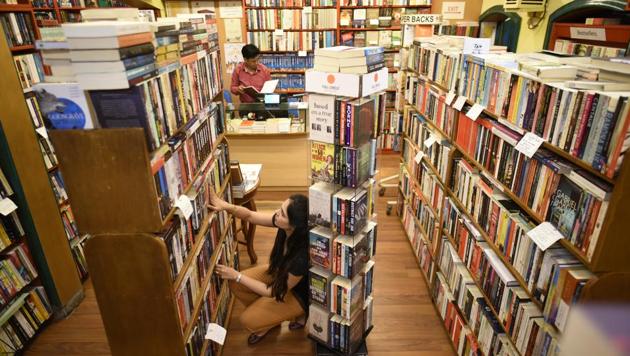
x: 529, y: 144
x: 301, y: 53
x: 474, y: 112
x: 419, y: 157
x: 476, y: 45
x: 7, y: 206
x: 449, y: 98
x: 374, y: 22
x: 430, y: 141
x: 459, y: 103
x: 185, y: 206
x: 544, y: 235
x: 302, y: 104
x: 307, y: 9
x: 278, y: 32
x: 588, y: 33
x: 453, y: 10
x: 42, y: 132
x: 216, y: 333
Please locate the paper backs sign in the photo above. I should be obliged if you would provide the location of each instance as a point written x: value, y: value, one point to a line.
x: 421, y: 19
x: 351, y: 85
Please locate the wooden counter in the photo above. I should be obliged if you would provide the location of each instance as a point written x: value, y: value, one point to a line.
x: 285, y: 158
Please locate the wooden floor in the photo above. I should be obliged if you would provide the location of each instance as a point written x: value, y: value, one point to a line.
x: 406, y: 323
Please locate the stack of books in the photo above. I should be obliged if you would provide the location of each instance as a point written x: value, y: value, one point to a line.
x: 344, y: 59
x: 166, y: 44
x: 111, y: 54
x: 55, y: 53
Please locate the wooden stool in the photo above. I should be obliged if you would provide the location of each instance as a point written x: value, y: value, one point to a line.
x: 248, y: 202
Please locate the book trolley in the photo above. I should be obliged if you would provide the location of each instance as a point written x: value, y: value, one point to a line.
x: 341, y: 208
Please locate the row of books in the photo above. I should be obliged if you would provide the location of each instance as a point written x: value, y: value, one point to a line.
x: 319, y: 18
x: 419, y: 207
x: 16, y: 272
x: 11, y: 230
x: 69, y: 223
x: 460, y: 28
x: 30, y: 69
x: 289, y: 81
x: 416, y: 175
x: 422, y: 248
x: 290, y: 61
x: 382, y: 38
x: 197, y: 340
x: 5, y: 187
x: 271, y: 19
x: 292, y: 41
x: 544, y: 183
x: 389, y: 142
x: 370, y: 18
x: 384, y: 2
x: 191, y: 294
x: 59, y: 187
x: 22, y: 326
x: 586, y: 49
x: 18, y: 28
x: 435, y: 148
x: 78, y: 254
x: 289, y: 3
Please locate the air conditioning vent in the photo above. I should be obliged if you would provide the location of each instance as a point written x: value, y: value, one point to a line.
x: 525, y: 5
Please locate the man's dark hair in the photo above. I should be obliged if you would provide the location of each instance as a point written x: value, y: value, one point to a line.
x: 250, y: 51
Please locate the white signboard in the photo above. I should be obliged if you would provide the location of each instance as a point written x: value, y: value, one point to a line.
x: 453, y: 10
x: 421, y: 19
x: 585, y: 33
x: 476, y: 45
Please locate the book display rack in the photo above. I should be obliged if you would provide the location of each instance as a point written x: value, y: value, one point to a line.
x: 341, y: 206
x: 473, y: 205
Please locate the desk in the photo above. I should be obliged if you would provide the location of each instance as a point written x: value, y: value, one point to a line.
x: 244, y: 196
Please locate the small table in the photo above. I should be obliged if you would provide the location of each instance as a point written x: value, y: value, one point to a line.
x: 244, y: 194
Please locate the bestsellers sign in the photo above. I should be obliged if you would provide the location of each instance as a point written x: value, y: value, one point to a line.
x: 421, y: 19
x: 585, y: 33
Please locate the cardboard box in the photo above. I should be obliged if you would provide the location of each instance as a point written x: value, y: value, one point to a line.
x: 344, y: 84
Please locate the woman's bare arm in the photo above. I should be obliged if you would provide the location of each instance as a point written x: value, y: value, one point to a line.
x: 254, y: 217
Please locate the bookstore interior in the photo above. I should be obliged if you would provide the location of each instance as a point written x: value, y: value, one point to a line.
x: 315, y: 177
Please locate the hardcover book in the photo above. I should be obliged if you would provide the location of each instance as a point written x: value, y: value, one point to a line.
x: 564, y: 206
x: 320, y: 240
x: 63, y: 106
x: 319, y: 281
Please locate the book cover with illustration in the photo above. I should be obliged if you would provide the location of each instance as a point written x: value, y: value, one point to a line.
x: 318, y: 323
x: 322, y: 162
x: 63, y: 106
x: 319, y: 280
x: 321, y: 113
x: 320, y: 201
x: 564, y: 206
x: 320, y: 241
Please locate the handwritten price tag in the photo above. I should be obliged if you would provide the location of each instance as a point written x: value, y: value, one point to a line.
x: 419, y: 157
x: 449, y: 98
x: 459, y: 103
x: 474, y: 112
x: 185, y: 206
x: 529, y: 144
x: 7, y: 206
x: 544, y: 235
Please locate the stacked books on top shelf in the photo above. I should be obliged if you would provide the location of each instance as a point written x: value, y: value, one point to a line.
x: 587, y: 50
x: 343, y: 153
x: 384, y: 2
x: 459, y: 28
x: 342, y: 60
x: 292, y: 40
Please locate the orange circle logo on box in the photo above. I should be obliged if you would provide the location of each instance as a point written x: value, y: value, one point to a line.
x: 330, y: 78
x: 376, y: 77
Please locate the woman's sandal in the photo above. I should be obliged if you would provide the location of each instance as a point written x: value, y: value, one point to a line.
x: 295, y: 325
x: 254, y: 339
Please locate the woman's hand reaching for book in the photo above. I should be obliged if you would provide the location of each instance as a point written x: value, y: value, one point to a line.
x: 226, y: 272
x: 215, y: 203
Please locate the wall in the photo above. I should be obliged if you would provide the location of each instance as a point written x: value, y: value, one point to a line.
x: 471, y: 11
x: 530, y: 40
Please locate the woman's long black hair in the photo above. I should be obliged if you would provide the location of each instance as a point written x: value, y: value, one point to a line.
x: 279, y: 263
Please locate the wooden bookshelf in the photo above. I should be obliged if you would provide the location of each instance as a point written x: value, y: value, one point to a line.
x: 29, y: 178
x: 369, y: 29
x: 291, y: 30
x: 16, y: 8
x: 385, y: 7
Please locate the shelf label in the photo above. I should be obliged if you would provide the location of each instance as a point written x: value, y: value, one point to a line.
x: 185, y: 206
x: 474, y: 112
x: 42, y: 132
x: 7, y: 206
x: 476, y: 45
x: 301, y: 53
x: 544, y: 235
x: 419, y: 157
x: 307, y: 9
x: 588, y: 33
x: 449, y: 98
x: 216, y: 333
x: 421, y: 19
x: 278, y: 32
x: 459, y: 103
x: 430, y: 141
x: 374, y: 22
x: 529, y: 144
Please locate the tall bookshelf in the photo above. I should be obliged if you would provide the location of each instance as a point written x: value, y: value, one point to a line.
x: 49, y: 241
x: 446, y: 225
x: 307, y: 15
x: 30, y: 68
x: 155, y: 243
